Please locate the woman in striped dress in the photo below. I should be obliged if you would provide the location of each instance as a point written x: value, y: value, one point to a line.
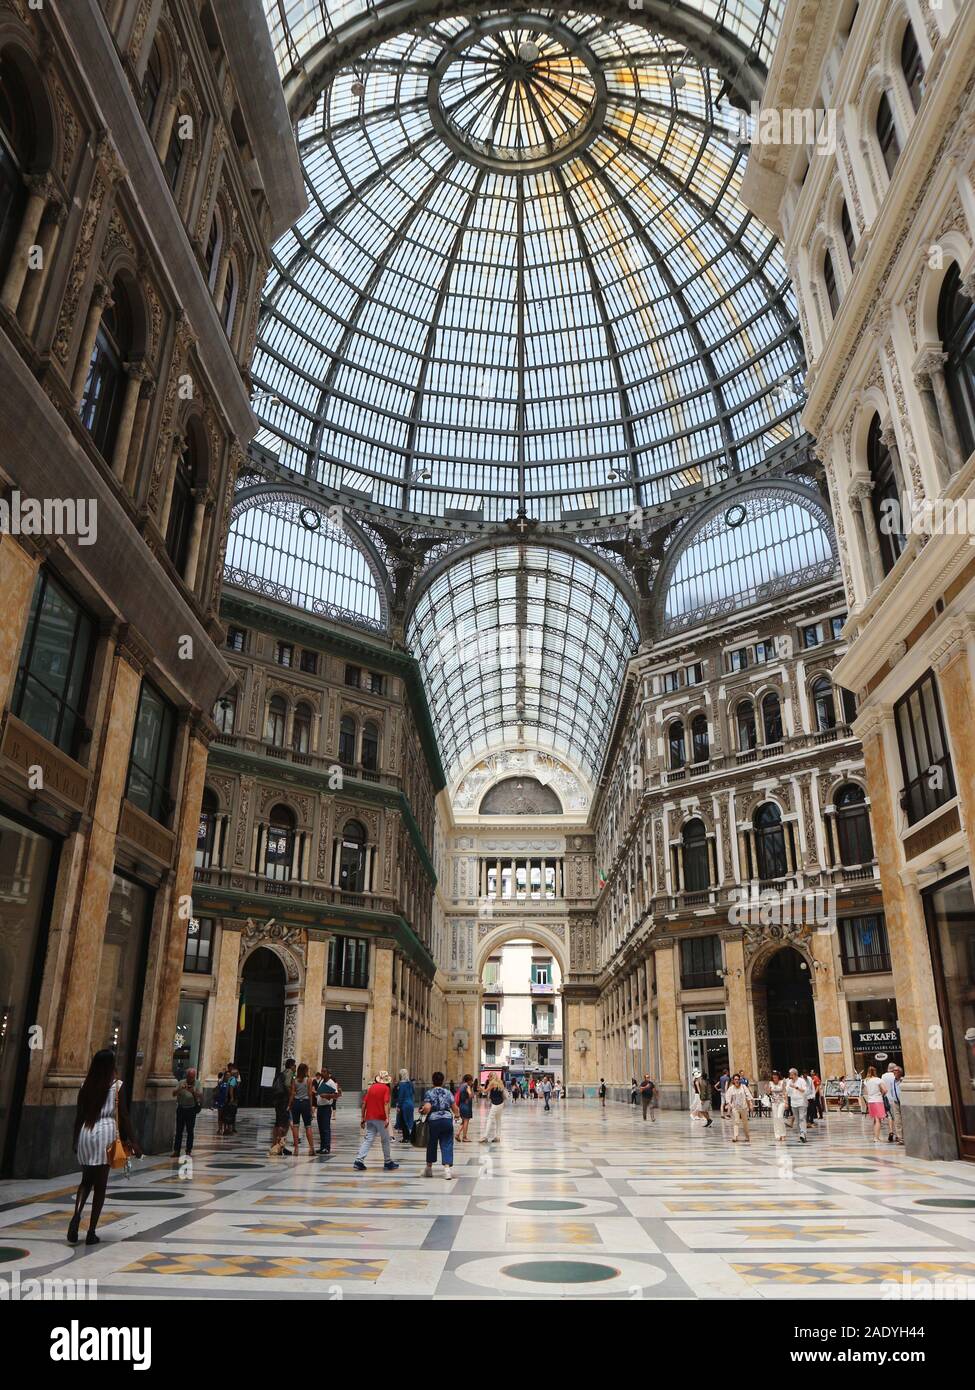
x: 95, y: 1128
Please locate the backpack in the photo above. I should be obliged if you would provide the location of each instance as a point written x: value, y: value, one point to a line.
x: 279, y: 1089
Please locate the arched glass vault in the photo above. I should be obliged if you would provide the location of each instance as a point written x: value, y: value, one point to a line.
x: 525, y: 281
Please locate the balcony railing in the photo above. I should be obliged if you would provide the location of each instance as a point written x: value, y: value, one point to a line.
x: 297, y: 889
x: 549, y: 1033
x: 878, y: 964
x: 262, y: 748
x: 700, y: 979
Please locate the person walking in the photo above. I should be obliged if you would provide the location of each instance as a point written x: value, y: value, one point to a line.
x: 327, y: 1092
x: 301, y: 1102
x: 220, y: 1100
x: 602, y: 1092
x: 189, y: 1103
x: 441, y: 1110
x: 547, y: 1091
x: 797, y: 1091
x: 648, y: 1092
x: 531, y: 1089
x: 776, y: 1095
x: 740, y: 1103
x: 634, y: 1090
x: 282, y: 1094
x: 233, y: 1097
x: 100, y: 1119
x: 721, y: 1085
x: 406, y: 1103
x: 701, y: 1100
x: 465, y: 1106
x: 375, y: 1122
x: 874, y: 1095
x: 891, y: 1084
x: 492, y: 1130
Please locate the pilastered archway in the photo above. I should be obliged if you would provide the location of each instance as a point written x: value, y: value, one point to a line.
x: 531, y: 1016
x: 784, y: 1010
x: 260, y: 1022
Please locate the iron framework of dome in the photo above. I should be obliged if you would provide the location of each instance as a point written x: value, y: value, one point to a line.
x: 524, y: 284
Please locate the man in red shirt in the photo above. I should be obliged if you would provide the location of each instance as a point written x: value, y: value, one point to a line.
x: 375, y: 1122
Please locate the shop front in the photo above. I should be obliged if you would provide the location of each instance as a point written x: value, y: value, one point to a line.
x: 707, y: 1047
x: 950, y: 913
x: 874, y: 1034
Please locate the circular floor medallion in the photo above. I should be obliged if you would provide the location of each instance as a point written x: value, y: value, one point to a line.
x: 560, y: 1272
x: 548, y: 1205
x: 144, y: 1194
x: 9, y: 1254
x: 950, y: 1202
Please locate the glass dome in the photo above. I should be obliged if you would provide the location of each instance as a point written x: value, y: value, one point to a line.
x: 525, y: 281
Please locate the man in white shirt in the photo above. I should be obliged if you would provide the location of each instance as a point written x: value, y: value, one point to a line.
x: 797, y: 1089
x: 890, y: 1084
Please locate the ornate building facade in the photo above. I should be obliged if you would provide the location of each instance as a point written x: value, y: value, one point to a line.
x: 138, y: 197
x: 879, y: 232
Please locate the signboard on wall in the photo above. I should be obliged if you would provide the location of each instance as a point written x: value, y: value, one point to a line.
x: 872, y: 1041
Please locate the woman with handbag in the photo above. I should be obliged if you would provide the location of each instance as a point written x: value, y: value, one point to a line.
x: 440, y: 1108
x: 189, y: 1103
x: 103, y: 1139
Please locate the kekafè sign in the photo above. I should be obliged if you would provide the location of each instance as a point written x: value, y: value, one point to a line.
x: 868, y: 1042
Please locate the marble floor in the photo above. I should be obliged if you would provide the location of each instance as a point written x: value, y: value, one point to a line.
x: 582, y: 1202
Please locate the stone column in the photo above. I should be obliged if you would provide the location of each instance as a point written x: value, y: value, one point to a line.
x: 669, y: 1019
x: 18, y: 575
x: 935, y: 367
x: 941, y: 452
x: 91, y: 908
x: 39, y: 192
x: 954, y: 668
x: 147, y: 390
x: 225, y: 1003
x: 829, y: 1021
x: 382, y: 1008
x: 866, y: 527
x: 55, y: 216
x: 313, y: 1008
x: 176, y: 448
x: 741, y: 1045
x: 136, y: 374
x: 101, y: 297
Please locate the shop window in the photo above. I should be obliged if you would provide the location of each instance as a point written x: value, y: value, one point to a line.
x: 887, y: 135
x: 956, y: 325
x: 348, y: 962
x: 198, y: 951
x: 675, y: 742
x: 206, y: 837
x: 912, y: 66
x: 853, y: 825
x: 694, y: 848
x: 772, y: 719
x: 884, y: 499
x: 950, y: 912
x: 277, y: 719
x: 279, y: 854
x: 864, y: 946
x: 188, y: 1038
x: 700, y: 962
x: 52, y: 678
x: 152, y: 750
x: 352, y: 857
x: 101, y: 399
x: 925, y: 762
x: 769, y: 835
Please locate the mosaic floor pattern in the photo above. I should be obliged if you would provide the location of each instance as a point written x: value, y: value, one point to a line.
x: 582, y: 1202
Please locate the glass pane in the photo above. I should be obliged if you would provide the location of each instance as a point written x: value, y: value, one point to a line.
x: 952, y: 916
x: 118, y: 993
x: 189, y: 1035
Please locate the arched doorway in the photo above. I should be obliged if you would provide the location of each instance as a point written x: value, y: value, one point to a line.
x: 260, y: 1040
x: 521, y: 1027
x: 790, y: 1012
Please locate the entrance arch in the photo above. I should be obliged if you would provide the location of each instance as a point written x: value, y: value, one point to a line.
x: 520, y: 1020
x: 262, y: 1003
x: 785, y: 1013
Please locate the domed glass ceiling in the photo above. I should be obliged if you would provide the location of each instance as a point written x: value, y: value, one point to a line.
x: 524, y: 281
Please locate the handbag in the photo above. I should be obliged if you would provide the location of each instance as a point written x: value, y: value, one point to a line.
x: 117, y: 1153
x: 421, y: 1133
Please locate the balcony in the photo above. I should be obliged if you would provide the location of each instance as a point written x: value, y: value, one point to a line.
x: 538, y: 988
x: 878, y: 964
x: 237, y: 880
x: 492, y: 988
x: 261, y: 748
x: 492, y: 1030
x: 547, y: 1034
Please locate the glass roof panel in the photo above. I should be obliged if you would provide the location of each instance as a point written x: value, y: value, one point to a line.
x: 522, y: 646
x: 531, y: 290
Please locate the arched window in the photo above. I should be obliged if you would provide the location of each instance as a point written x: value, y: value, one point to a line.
x: 152, y: 85
x: 277, y: 718
x: 207, y: 833
x: 301, y: 729
x: 370, y: 747
x: 280, y: 844
x: 745, y: 720
x: 225, y: 712
x: 694, y: 846
x: 956, y: 325
x: 17, y: 148
x: 173, y: 162
x: 770, y: 842
x: 884, y: 499
x: 101, y: 400
x: 887, y: 135
x: 824, y: 705
x: 829, y: 280
x: 700, y: 742
x: 181, y: 508
x: 347, y: 740
x: 772, y: 719
x: 912, y: 66
x: 853, y: 825
x: 229, y: 305
x: 352, y: 857
x: 214, y: 248
x: 675, y: 742
x: 849, y: 240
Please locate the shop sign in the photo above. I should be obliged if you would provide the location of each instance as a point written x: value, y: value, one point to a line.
x: 869, y: 1042
x: 707, y: 1029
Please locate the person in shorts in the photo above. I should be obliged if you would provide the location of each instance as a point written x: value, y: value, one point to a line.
x: 282, y: 1094
x: 301, y: 1109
